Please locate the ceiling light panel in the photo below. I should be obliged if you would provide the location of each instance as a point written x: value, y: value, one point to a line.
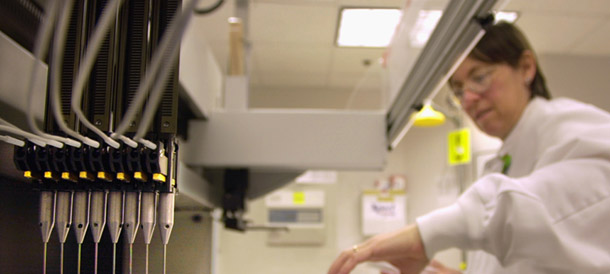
x: 362, y: 27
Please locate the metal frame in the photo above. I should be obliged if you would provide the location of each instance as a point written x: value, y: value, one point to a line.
x: 456, y: 32
x: 288, y: 139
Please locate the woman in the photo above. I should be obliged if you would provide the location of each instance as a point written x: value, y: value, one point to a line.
x: 543, y: 205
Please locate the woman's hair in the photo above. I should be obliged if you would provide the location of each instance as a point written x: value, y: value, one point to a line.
x: 505, y: 43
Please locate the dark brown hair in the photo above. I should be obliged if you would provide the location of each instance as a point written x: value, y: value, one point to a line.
x: 505, y: 43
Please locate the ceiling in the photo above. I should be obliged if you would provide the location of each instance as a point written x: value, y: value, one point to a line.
x: 292, y: 54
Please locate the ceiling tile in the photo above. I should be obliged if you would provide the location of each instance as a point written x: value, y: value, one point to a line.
x: 352, y: 60
x: 289, y: 80
x: 552, y: 33
x: 368, y: 81
x: 523, y: 4
x: 566, y: 7
x: 296, y: 2
x: 271, y: 22
x: 588, y: 7
x: 292, y: 41
x: 291, y: 57
x: 369, y: 3
x: 430, y: 4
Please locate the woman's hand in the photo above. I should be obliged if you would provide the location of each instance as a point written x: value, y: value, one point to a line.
x: 403, y: 249
x: 436, y: 267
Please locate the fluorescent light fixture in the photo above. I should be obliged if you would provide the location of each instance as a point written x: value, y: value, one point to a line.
x: 427, y: 20
x: 364, y: 27
x: 508, y: 16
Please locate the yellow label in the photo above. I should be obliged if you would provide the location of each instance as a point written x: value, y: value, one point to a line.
x: 385, y: 198
x: 139, y: 175
x: 121, y: 176
x: 48, y: 174
x: 159, y: 177
x: 298, y: 197
x: 459, y: 146
x: 27, y: 174
x: 86, y: 175
x: 389, y: 192
x: 104, y: 176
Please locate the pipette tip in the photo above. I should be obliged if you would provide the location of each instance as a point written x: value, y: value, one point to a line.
x: 130, y: 258
x: 78, y: 260
x: 113, y: 258
x: 95, y: 260
x: 164, y: 259
x: 146, y: 264
x: 61, y: 258
x: 44, y: 259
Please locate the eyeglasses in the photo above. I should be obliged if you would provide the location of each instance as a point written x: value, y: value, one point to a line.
x: 478, y: 82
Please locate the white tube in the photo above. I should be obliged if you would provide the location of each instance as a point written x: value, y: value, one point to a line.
x: 33, y: 138
x: 12, y: 141
x: 148, y: 144
x: 127, y: 141
x: 41, y: 141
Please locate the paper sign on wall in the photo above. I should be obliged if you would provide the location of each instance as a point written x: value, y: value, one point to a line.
x: 383, y: 212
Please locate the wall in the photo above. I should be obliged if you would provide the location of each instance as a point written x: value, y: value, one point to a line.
x: 580, y: 77
x: 188, y: 250
x: 249, y: 252
x: 421, y: 157
x: 315, y: 98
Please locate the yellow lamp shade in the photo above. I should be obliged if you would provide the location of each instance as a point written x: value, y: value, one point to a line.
x: 428, y: 117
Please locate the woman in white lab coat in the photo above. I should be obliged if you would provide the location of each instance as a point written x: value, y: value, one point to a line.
x: 543, y: 205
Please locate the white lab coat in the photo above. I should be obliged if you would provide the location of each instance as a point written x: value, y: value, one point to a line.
x: 551, y: 214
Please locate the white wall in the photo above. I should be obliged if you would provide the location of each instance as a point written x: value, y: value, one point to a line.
x: 188, y: 250
x: 421, y: 157
x: 314, y: 98
x: 422, y: 164
x: 585, y: 78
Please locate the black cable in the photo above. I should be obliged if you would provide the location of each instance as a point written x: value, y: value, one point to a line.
x: 210, y: 9
x: 486, y: 21
x: 418, y: 107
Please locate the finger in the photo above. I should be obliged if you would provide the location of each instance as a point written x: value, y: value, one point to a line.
x: 338, y: 263
x: 356, y: 255
x: 436, y: 264
x: 349, y: 265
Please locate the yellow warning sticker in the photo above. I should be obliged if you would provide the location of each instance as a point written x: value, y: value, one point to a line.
x: 459, y: 146
x: 298, y: 197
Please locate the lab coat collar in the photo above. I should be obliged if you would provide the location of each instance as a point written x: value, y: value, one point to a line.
x: 528, y: 119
